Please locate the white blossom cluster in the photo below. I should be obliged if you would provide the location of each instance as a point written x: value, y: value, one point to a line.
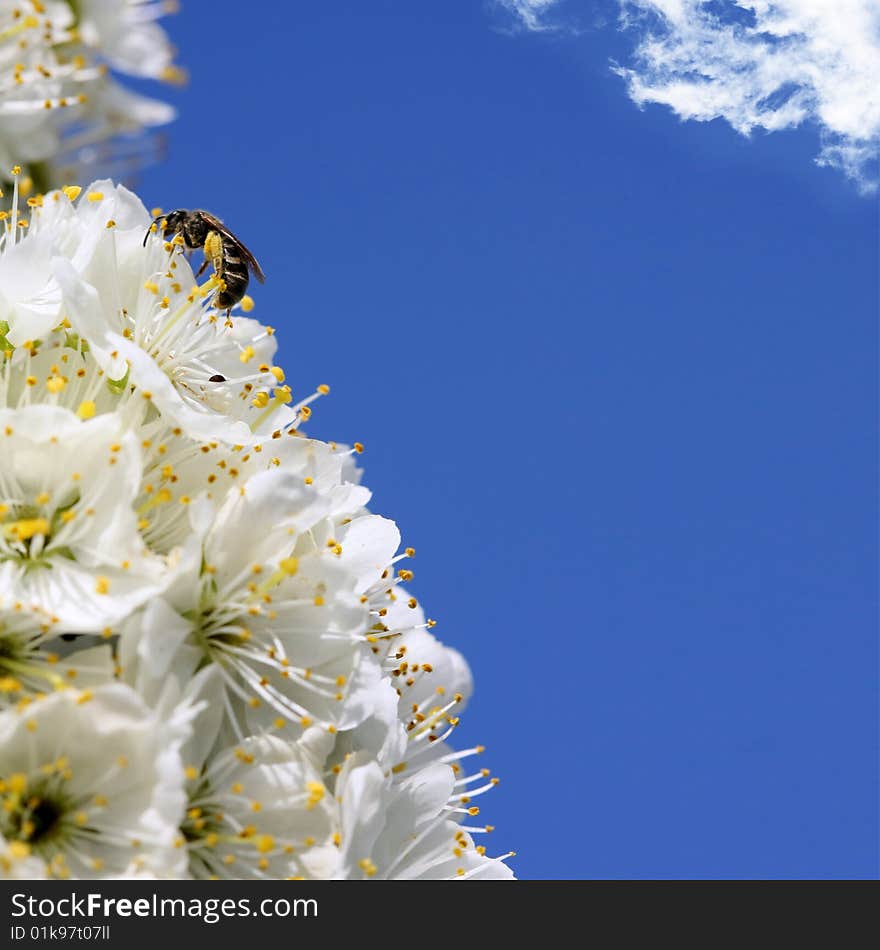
x: 61, y: 109
x: 209, y: 665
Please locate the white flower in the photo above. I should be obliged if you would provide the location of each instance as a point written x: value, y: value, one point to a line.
x: 407, y: 829
x: 149, y: 322
x: 32, y: 74
x: 149, y: 327
x: 125, y: 33
x: 270, y: 591
x: 260, y: 809
x: 402, y: 791
x: 29, y: 662
x: 69, y: 542
x: 53, y: 79
x: 424, y: 692
x: 256, y: 807
x: 92, y: 783
x: 209, y: 664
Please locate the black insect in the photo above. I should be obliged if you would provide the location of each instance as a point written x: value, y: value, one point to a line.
x: 232, y: 261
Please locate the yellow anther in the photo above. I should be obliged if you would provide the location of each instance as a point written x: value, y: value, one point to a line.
x: 316, y: 792
x: 86, y: 410
x: 26, y: 528
x: 265, y: 844
x: 72, y: 191
x: 247, y: 303
x: 95, y: 196
x: 174, y: 75
x: 17, y: 782
x: 102, y: 585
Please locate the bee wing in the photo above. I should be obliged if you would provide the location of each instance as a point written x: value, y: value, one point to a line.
x: 246, y: 255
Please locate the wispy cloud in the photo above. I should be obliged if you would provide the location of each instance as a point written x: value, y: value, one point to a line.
x: 532, y: 13
x: 771, y: 64
x: 759, y: 64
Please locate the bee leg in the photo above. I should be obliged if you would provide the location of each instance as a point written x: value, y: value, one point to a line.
x: 214, y: 251
x: 202, y: 269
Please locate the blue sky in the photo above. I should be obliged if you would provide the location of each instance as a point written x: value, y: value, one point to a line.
x: 616, y: 374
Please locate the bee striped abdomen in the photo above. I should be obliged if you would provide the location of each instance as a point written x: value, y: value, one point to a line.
x: 235, y: 275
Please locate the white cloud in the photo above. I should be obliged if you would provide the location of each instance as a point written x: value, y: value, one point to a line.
x: 765, y: 64
x: 531, y: 12
x: 771, y: 64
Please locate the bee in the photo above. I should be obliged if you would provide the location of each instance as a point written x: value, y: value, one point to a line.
x: 231, y: 260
